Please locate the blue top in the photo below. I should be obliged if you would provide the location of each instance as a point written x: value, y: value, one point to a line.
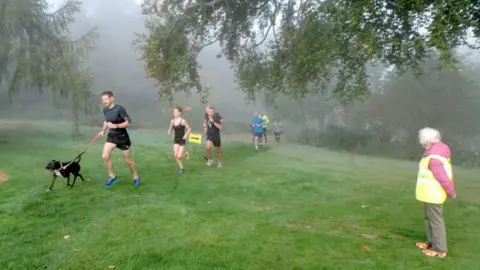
x: 257, y: 125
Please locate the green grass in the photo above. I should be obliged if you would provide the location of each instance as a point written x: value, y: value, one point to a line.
x: 290, y: 207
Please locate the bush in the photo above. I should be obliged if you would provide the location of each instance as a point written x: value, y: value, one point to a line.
x: 368, y: 142
x: 462, y: 154
x: 334, y: 138
x: 378, y: 143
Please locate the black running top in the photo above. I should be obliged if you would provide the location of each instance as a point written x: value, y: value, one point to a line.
x: 179, y: 129
x: 116, y: 115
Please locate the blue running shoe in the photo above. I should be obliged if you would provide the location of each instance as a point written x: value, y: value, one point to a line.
x: 111, y: 181
x: 180, y: 171
x: 136, y: 182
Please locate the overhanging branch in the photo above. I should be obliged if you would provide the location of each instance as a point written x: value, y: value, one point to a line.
x: 155, y: 5
x: 207, y: 44
x: 273, y: 19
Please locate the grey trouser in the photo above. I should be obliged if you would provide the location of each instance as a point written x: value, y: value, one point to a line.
x: 435, y: 227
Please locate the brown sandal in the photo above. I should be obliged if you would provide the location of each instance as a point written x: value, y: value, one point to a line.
x: 433, y: 253
x: 423, y: 245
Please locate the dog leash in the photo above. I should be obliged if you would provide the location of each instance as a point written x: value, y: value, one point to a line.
x: 81, y: 153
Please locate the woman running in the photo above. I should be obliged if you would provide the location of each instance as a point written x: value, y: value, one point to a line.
x: 178, y: 124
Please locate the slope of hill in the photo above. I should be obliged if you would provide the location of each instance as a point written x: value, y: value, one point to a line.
x: 288, y: 207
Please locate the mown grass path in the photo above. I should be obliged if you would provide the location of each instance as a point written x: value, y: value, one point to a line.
x: 289, y: 207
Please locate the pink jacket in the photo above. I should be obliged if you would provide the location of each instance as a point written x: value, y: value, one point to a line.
x: 436, y: 167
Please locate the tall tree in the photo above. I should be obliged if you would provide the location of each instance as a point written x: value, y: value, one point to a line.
x: 285, y: 46
x: 37, y: 52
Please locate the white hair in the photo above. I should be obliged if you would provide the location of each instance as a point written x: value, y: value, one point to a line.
x: 428, y: 136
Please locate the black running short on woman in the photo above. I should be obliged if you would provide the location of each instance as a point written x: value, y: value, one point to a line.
x: 179, y: 141
x: 122, y: 141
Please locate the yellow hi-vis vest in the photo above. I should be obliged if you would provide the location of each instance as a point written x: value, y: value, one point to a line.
x: 429, y: 189
x: 265, y: 121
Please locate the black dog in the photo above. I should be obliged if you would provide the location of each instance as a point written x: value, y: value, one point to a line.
x: 64, y: 169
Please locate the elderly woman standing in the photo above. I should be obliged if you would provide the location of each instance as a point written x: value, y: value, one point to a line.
x: 434, y: 184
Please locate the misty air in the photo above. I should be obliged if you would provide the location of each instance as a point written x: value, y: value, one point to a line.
x: 234, y: 134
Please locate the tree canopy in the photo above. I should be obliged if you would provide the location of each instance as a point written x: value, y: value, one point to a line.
x: 37, y: 52
x: 298, y: 47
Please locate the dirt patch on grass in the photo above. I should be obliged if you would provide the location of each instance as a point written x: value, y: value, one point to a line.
x: 310, y: 225
x: 369, y: 236
x: 3, y: 177
x: 264, y: 208
x: 300, y: 226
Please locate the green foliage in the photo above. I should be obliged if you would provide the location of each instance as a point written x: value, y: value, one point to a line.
x: 357, y: 141
x: 366, y: 142
x: 387, y: 123
x: 36, y: 52
x: 169, y: 57
x: 298, y: 48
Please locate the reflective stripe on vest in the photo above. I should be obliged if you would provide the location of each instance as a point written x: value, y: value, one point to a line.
x: 428, y: 188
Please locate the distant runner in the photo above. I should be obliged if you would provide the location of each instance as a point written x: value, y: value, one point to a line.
x: 213, y: 127
x: 265, y: 125
x: 178, y: 124
x: 277, y: 131
x: 257, y: 123
x: 253, y: 133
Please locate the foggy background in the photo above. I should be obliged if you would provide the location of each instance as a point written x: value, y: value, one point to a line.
x: 385, y: 124
x: 114, y: 65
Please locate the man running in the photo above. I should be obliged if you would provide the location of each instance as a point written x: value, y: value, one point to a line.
x: 206, y: 118
x: 217, y: 115
x: 265, y: 125
x: 277, y: 131
x: 117, y: 121
x: 213, y: 127
x: 257, y: 124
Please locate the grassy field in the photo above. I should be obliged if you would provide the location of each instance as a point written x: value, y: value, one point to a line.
x: 289, y: 207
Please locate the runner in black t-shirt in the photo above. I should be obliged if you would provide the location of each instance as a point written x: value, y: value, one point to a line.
x: 206, y: 118
x: 117, y: 121
x: 213, y: 127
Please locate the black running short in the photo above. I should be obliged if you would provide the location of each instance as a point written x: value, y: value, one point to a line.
x: 217, y: 142
x: 179, y: 141
x: 122, y: 141
x: 259, y: 135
